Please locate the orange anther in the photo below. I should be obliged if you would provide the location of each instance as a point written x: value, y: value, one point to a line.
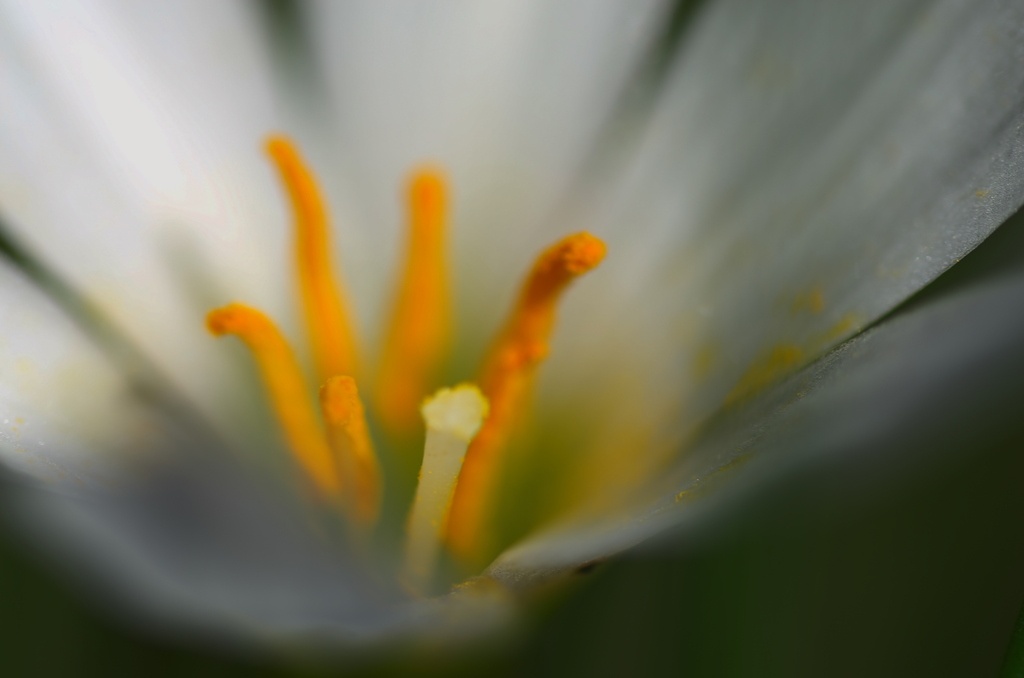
x: 421, y: 319
x: 286, y: 388
x: 349, y: 438
x: 505, y: 380
x: 323, y: 301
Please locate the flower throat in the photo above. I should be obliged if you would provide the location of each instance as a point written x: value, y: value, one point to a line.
x: 467, y: 428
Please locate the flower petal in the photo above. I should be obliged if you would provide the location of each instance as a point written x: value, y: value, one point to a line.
x: 932, y: 382
x: 508, y: 96
x: 69, y: 417
x: 130, y: 164
x: 809, y: 167
x: 199, y: 547
x: 150, y: 518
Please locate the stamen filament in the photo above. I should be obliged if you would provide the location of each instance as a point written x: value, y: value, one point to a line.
x: 506, y: 378
x: 286, y: 387
x: 323, y: 301
x: 349, y: 439
x: 453, y: 417
x: 421, y: 319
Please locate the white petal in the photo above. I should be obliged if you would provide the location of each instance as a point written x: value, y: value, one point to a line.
x: 507, y: 96
x: 68, y: 416
x: 131, y: 164
x: 931, y: 383
x: 809, y: 166
x: 199, y: 547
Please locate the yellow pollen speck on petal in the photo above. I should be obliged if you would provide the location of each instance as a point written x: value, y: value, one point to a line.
x: 349, y: 438
x: 453, y: 416
x: 506, y: 378
x: 813, y: 301
x: 286, y: 388
x: 766, y: 370
x: 843, y: 326
x: 704, y: 362
x: 420, y: 324
x: 323, y: 301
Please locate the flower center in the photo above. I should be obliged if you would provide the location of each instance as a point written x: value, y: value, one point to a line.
x: 467, y: 428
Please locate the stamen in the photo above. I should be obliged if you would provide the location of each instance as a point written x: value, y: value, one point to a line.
x: 286, y: 388
x: 505, y: 380
x: 326, y: 315
x: 349, y: 438
x: 421, y: 319
x: 453, y: 416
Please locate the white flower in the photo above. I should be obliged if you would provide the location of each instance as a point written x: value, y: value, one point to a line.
x: 801, y: 169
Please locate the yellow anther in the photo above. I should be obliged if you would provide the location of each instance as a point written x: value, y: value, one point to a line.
x: 286, y: 388
x: 421, y: 319
x: 505, y: 380
x: 324, y: 306
x: 349, y: 438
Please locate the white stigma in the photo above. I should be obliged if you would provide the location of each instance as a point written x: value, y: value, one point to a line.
x: 453, y: 416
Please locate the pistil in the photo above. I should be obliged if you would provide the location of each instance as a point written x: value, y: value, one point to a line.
x: 453, y: 416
